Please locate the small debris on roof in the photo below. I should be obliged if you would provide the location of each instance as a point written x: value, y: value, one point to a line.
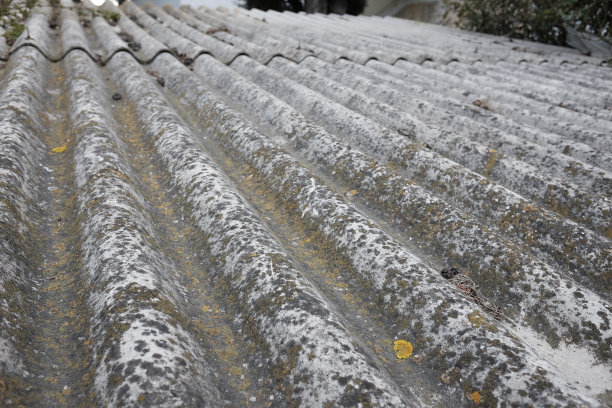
x: 214, y: 30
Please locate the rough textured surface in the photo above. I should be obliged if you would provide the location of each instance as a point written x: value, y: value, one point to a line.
x: 215, y: 208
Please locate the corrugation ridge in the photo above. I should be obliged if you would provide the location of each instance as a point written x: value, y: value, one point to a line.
x: 563, y: 128
x: 397, y: 198
x: 486, y: 116
x: 40, y: 36
x: 21, y: 153
x: 130, y: 292
x: 509, y: 103
x: 450, y: 35
x: 95, y: 58
x: 567, y: 90
x: 149, y: 47
x: 186, y: 49
x: 583, y: 136
x: 72, y: 35
x: 37, y: 33
x: 321, y: 48
x: 383, y: 143
x: 541, y: 73
x: 391, y: 54
x: 271, y: 294
x: 375, y: 47
x: 308, y: 36
x: 4, y: 49
x: 261, y: 54
x: 578, y: 206
x: 602, y: 71
x: 594, y: 105
x: 392, y: 50
x: 471, y: 154
x: 268, y: 37
x: 562, y: 88
x: 220, y: 50
x: 380, y: 260
x: 263, y: 32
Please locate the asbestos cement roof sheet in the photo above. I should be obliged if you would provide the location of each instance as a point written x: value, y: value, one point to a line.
x: 228, y: 208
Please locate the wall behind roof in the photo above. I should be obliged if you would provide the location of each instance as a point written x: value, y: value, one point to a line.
x: 430, y: 11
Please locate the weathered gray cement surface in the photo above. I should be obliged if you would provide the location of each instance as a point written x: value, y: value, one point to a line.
x: 209, y: 208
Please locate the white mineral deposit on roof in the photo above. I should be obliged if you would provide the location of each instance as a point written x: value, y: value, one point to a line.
x: 572, y: 361
x: 153, y: 348
x: 10, y: 361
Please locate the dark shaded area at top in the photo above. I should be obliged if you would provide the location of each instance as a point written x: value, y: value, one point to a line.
x: 353, y: 7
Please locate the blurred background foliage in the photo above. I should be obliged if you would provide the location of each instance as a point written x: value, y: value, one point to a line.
x: 545, y: 21
x: 537, y: 20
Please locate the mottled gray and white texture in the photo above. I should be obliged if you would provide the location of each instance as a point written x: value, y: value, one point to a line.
x: 316, y: 177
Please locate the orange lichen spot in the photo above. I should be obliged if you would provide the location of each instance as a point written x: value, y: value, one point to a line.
x: 59, y: 149
x: 402, y: 348
x: 86, y: 342
x: 476, y: 397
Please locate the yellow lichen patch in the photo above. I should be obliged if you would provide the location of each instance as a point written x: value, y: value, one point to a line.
x: 50, y: 380
x: 493, y: 156
x: 59, y: 149
x: 244, y: 385
x: 206, y: 308
x: 475, y: 396
x: 478, y: 320
x: 141, y: 398
x: 352, y: 192
x: 402, y: 348
x: 608, y: 233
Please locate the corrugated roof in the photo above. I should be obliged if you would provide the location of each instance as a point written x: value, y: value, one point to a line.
x: 212, y: 207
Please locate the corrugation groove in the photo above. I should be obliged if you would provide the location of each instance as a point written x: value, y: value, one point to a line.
x: 218, y: 208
